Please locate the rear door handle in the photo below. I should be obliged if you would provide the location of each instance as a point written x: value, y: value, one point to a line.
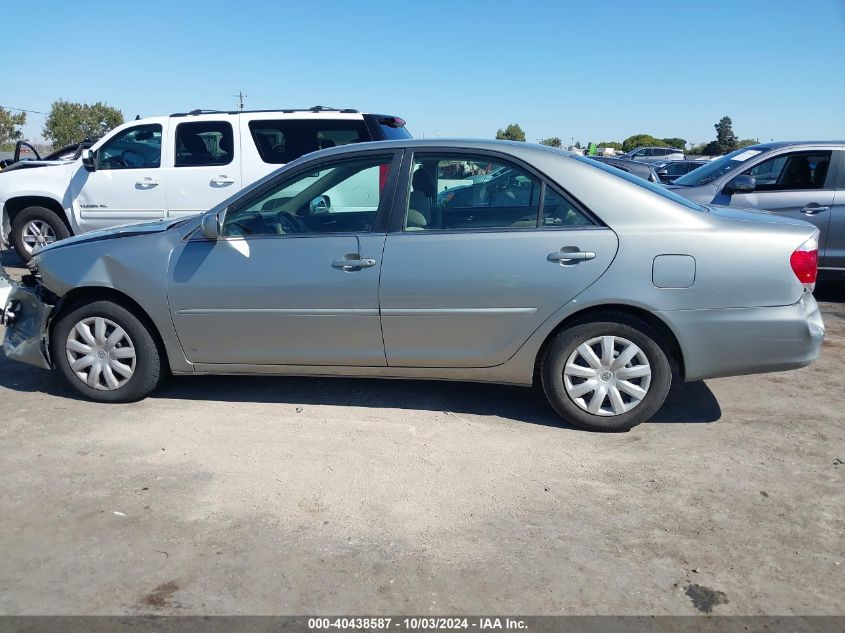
x: 353, y: 264
x: 814, y: 208
x: 222, y: 180
x: 147, y: 182
x: 570, y: 257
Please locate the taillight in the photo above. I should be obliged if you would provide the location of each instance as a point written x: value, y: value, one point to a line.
x: 805, y: 262
x: 392, y: 121
x: 383, y: 173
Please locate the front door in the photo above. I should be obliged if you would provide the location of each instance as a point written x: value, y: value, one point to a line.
x: 128, y: 185
x: 797, y: 184
x: 203, y: 165
x: 294, y: 277
x: 486, y: 251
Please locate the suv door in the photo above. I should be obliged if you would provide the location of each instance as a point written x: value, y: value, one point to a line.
x: 481, y: 252
x: 796, y: 183
x: 292, y: 280
x: 834, y: 256
x: 128, y: 184
x: 203, y: 164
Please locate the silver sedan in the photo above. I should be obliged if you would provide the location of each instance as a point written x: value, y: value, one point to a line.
x: 463, y: 260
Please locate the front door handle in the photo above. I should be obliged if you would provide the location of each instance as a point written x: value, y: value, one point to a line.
x: 566, y: 256
x: 147, y: 182
x: 813, y: 208
x: 222, y: 180
x: 353, y: 263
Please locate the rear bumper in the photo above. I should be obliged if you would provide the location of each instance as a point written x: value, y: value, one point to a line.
x: 25, y: 339
x: 736, y: 341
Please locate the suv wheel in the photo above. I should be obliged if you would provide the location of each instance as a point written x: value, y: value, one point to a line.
x: 106, y: 353
x: 36, y: 226
x: 606, y: 375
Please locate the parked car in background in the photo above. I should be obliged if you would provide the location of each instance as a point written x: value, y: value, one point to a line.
x: 801, y: 180
x: 168, y: 167
x: 637, y: 168
x: 675, y: 169
x: 591, y: 280
x: 68, y: 152
x: 652, y: 154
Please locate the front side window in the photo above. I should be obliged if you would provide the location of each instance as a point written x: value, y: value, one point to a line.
x: 797, y: 170
x: 201, y: 143
x: 282, y: 141
x: 340, y: 197
x: 133, y: 148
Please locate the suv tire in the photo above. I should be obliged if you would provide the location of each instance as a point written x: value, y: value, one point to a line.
x: 36, y: 225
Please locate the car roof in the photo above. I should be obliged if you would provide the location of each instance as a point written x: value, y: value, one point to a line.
x: 779, y: 144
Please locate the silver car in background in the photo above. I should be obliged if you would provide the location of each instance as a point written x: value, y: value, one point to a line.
x: 542, y: 267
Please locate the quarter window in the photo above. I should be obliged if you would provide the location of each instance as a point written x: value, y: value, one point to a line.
x: 201, y: 143
x: 560, y: 212
x: 282, y: 141
x: 341, y: 197
x: 797, y: 170
x: 134, y: 148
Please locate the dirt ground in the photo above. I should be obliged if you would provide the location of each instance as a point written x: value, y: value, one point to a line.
x: 311, y: 496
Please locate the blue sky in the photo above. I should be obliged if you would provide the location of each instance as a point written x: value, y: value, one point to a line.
x: 594, y: 70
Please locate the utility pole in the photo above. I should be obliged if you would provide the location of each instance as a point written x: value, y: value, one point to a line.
x: 241, y: 96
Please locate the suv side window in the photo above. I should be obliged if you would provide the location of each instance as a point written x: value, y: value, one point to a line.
x: 133, y: 148
x: 284, y: 140
x: 795, y: 170
x: 204, y: 143
x: 340, y: 197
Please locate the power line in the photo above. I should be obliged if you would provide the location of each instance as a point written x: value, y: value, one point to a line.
x: 24, y: 109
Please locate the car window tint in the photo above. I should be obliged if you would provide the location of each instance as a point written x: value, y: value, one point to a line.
x: 340, y: 197
x: 204, y: 143
x: 470, y: 193
x: 134, y: 148
x: 282, y: 141
x: 560, y: 212
x: 796, y: 170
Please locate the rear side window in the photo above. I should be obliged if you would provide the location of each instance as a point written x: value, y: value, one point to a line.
x: 282, y: 141
x: 204, y: 143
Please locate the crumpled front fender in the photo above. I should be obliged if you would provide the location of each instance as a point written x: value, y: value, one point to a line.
x: 26, y: 337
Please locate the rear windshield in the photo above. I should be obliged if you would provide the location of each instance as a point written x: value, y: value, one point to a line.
x: 282, y: 141
x: 392, y: 133
x: 645, y: 184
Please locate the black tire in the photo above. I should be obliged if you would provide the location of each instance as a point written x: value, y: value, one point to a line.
x: 42, y: 214
x: 565, y: 343
x: 147, y: 373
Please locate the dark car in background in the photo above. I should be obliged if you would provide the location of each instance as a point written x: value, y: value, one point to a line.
x: 677, y: 168
x: 803, y: 180
x: 641, y: 169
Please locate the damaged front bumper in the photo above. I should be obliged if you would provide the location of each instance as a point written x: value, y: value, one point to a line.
x: 26, y: 317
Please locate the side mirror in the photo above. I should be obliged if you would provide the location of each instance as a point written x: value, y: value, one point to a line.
x: 663, y: 172
x: 210, y: 226
x: 741, y: 184
x: 89, y: 159
x: 320, y: 204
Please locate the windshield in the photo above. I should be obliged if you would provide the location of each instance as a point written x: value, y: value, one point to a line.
x: 645, y: 184
x: 715, y: 168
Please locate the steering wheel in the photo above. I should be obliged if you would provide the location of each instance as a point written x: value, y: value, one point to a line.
x: 115, y: 161
x: 131, y: 158
x: 289, y: 223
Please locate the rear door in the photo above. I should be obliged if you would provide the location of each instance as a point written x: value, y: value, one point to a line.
x: 834, y: 256
x: 203, y: 165
x: 796, y: 184
x: 482, y: 250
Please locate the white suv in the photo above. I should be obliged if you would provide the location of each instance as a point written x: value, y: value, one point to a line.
x: 169, y: 167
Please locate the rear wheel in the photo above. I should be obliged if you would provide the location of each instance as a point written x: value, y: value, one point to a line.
x: 106, y: 353
x: 36, y: 226
x: 606, y: 375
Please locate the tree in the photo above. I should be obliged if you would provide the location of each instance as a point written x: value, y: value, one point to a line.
x: 726, y: 140
x: 9, y: 124
x: 511, y: 133
x: 746, y: 142
x: 552, y: 141
x: 70, y: 122
x: 674, y: 142
x: 697, y: 150
x: 639, y: 140
x: 610, y: 144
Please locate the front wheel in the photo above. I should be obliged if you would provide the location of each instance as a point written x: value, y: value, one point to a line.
x: 36, y: 226
x: 106, y: 353
x: 606, y: 375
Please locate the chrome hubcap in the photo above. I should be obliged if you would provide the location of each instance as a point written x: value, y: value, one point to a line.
x: 607, y: 375
x: 100, y: 353
x: 37, y: 233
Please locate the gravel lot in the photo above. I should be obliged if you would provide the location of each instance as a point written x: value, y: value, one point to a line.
x: 286, y: 495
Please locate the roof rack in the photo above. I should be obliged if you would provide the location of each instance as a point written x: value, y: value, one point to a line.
x: 315, y: 109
